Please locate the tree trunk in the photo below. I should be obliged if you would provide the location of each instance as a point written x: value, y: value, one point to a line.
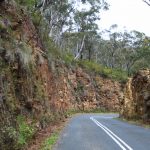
x: 80, y: 51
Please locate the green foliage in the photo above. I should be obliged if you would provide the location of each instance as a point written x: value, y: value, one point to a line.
x: 9, y: 135
x: 50, y: 141
x: 68, y: 58
x: 80, y: 87
x: 12, y: 133
x: 25, y: 54
x: 25, y: 131
x: 1, y: 25
x: 29, y: 3
x: 140, y: 64
x: 43, y: 30
x: 91, y: 66
x: 53, y: 50
x: 115, y: 74
x: 36, y: 18
x: 39, y: 90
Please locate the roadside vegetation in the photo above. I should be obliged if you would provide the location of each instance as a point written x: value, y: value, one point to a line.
x: 136, y: 121
x: 106, y: 72
x: 49, y: 142
x: 25, y: 133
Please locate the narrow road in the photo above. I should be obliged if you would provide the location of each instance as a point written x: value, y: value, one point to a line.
x: 102, y: 132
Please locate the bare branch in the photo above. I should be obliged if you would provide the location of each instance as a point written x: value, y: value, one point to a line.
x: 147, y: 2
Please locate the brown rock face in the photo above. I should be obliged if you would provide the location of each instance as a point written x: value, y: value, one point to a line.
x: 109, y: 93
x: 79, y: 90
x: 136, y: 102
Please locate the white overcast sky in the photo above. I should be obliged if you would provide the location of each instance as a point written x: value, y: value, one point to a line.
x: 132, y: 14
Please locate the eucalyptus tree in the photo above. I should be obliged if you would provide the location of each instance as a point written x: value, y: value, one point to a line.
x: 131, y: 50
x: 127, y: 50
x: 142, y: 46
x: 110, y: 48
x: 71, y: 27
x: 86, y: 27
x: 57, y: 14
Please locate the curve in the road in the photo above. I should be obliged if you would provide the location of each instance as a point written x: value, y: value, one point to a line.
x: 102, y: 132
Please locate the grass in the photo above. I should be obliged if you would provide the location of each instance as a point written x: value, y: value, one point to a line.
x: 68, y: 58
x: 28, y: 3
x: 89, y: 65
x: 50, y: 141
x: 115, y: 74
x: 26, y: 131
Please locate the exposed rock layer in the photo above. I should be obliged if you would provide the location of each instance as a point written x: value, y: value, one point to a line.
x: 136, y: 102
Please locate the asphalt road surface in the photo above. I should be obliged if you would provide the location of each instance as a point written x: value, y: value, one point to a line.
x: 102, y: 132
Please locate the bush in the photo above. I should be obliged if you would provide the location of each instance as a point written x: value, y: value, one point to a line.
x: 36, y: 18
x: 115, y: 74
x: 26, y: 131
x: 29, y: 3
x: 91, y: 66
x: 49, y: 142
x: 8, y: 137
x: 68, y: 58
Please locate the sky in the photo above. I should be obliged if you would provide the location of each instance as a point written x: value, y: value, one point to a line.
x: 127, y: 14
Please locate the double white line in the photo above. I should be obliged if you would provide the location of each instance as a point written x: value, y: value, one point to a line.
x: 120, y: 142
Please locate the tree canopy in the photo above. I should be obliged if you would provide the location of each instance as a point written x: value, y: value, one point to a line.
x: 73, y: 27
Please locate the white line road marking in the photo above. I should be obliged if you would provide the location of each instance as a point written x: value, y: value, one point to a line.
x: 119, y: 141
x: 116, y: 136
x: 120, y: 145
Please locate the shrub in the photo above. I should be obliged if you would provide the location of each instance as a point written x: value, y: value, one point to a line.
x: 29, y: 3
x: 91, y: 66
x: 8, y: 137
x: 25, y: 131
x: 36, y: 18
x: 68, y: 58
x: 49, y: 142
x: 115, y: 74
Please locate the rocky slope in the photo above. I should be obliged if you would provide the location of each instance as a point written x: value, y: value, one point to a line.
x: 136, y: 102
x: 35, y: 89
